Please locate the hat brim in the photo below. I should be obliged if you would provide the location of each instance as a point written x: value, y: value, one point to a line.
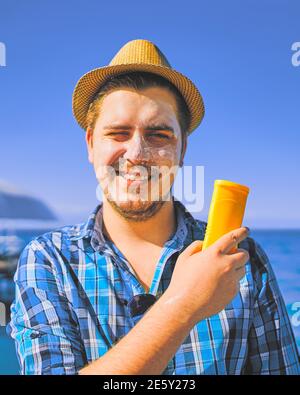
x: 90, y: 83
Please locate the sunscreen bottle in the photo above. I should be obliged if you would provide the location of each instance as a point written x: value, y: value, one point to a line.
x: 226, y: 210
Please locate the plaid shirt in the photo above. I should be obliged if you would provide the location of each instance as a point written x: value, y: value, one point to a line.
x: 71, y: 306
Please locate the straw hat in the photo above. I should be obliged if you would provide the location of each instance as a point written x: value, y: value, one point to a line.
x: 136, y: 55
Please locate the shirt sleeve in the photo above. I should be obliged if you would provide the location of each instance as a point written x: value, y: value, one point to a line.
x: 43, y: 323
x: 272, y: 348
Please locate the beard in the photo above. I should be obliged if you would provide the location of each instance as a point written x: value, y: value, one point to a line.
x: 138, y: 204
x: 137, y: 211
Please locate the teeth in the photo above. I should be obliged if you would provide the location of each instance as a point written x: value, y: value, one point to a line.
x: 132, y: 177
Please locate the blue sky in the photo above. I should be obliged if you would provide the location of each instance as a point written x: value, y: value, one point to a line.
x: 237, y: 52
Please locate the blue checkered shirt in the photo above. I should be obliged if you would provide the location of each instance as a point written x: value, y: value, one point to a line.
x: 72, y: 289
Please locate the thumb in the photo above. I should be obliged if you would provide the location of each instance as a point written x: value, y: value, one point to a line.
x: 195, y: 246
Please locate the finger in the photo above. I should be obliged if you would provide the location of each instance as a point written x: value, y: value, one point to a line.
x: 226, y: 243
x: 240, y: 258
x: 241, y: 272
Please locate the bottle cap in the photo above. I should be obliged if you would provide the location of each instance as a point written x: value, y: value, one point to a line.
x: 230, y: 185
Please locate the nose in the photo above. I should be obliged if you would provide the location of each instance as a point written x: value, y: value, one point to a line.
x: 136, y: 149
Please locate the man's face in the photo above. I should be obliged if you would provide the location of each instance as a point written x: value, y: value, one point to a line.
x: 136, y: 148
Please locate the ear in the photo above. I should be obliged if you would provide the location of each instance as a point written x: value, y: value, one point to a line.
x: 89, y: 144
x: 183, y: 149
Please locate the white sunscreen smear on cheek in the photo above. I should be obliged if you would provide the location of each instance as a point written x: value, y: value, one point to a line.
x: 162, y: 152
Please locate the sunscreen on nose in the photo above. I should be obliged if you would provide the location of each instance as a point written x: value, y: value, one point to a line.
x: 226, y: 210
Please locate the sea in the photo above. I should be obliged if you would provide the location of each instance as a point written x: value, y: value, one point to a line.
x: 281, y: 246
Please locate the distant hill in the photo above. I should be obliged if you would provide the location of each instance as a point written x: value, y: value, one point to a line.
x: 17, y: 205
x: 23, y: 207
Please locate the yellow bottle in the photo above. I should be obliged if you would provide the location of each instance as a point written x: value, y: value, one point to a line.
x: 226, y: 210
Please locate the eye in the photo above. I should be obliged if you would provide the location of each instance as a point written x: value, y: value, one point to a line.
x: 119, y: 136
x: 117, y: 133
x: 159, y: 135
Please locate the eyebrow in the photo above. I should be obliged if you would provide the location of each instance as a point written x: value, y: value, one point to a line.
x: 161, y: 126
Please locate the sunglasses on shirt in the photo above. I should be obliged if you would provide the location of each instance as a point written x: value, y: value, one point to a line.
x: 139, y: 304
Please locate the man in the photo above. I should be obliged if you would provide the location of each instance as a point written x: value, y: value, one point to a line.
x: 130, y: 291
